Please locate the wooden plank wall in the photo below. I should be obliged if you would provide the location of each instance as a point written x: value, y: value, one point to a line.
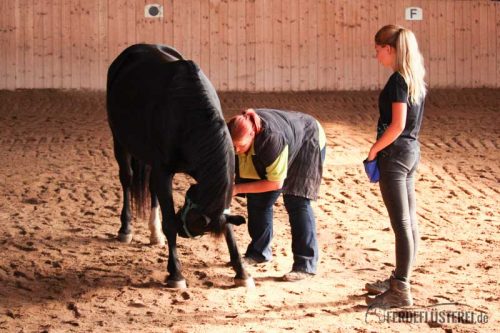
x: 247, y: 45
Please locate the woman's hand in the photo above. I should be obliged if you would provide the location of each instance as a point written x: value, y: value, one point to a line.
x: 392, y: 132
x: 372, y: 154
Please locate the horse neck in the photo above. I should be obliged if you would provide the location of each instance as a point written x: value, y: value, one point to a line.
x: 208, y: 146
x: 213, y: 196
x: 214, y: 173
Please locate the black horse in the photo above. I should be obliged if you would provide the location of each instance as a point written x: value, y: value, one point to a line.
x: 165, y: 118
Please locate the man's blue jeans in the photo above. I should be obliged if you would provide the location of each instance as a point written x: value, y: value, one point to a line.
x: 302, y: 223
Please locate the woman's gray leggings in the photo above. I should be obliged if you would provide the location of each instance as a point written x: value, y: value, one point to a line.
x: 397, y: 185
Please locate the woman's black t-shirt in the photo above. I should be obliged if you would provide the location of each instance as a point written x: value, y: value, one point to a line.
x: 396, y: 91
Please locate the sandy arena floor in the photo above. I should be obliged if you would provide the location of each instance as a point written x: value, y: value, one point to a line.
x: 61, y: 269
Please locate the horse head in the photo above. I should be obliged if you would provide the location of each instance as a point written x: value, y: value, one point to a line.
x: 193, y: 220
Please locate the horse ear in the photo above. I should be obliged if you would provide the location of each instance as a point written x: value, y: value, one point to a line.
x: 235, y: 219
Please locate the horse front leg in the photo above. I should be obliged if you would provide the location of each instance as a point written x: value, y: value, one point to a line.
x: 242, y: 278
x: 163, y: 189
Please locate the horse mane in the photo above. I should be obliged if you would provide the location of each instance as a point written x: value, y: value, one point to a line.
x: 206, y: 141
x: 164, y: 54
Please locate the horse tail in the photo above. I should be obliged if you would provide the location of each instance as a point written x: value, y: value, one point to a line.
x: 139, y: 188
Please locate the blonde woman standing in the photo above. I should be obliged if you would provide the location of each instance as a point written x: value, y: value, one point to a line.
x: 401, y: 108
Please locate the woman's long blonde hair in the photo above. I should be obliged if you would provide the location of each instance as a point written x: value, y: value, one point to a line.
x: 409, y: 60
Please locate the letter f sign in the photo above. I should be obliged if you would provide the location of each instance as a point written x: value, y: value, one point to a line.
x: 413, y: 14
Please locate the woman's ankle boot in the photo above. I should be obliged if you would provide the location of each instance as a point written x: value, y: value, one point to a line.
x: 397, y: 296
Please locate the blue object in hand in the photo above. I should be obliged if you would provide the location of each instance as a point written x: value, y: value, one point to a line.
x: 371, y: 169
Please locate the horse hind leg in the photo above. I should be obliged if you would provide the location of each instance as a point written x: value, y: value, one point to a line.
x: 156, y: 236
x: 125, y: 172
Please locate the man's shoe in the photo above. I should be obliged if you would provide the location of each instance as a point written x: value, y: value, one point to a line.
x: 296, y: 276
x: 252, y: 261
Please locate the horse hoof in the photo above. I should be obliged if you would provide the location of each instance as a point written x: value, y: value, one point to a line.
x: 247, y: 283
x: 157, y: 241
x: 177, y: 284
x: 125, y: 238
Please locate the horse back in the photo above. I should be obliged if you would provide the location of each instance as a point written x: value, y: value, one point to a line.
x: 154, y: 98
